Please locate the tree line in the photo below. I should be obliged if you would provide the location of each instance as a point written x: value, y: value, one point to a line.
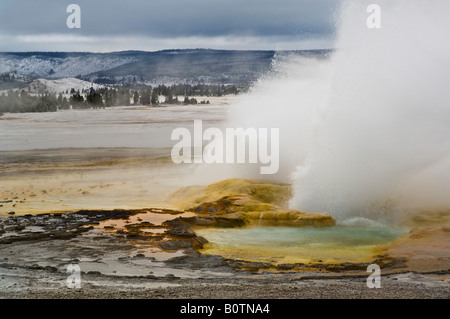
x: 23, y: 101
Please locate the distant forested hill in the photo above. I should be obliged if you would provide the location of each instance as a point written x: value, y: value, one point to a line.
x: 160, y: 67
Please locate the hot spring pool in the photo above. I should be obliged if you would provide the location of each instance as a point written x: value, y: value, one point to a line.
x: 336, y: 244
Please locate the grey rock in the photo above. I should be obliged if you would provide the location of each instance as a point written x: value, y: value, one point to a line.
x: 175, y: 244
x: 285, y: 266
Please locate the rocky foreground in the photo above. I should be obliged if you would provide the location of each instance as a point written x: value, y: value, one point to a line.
x: 401, y: 286
x: 154, y: 253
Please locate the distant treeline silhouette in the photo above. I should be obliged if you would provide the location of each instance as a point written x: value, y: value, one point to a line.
x: 19, y: 101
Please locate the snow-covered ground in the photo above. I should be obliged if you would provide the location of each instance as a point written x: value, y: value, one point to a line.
x: 134, y: 126
x: 60, y: 85
x: 39, y: 86
x: 37, y: 66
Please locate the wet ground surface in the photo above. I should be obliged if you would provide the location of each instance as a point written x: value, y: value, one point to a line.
x: 36, y: 250
x: 151, y: 254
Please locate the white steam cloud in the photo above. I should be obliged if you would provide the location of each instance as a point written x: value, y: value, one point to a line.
x: 367, y: 132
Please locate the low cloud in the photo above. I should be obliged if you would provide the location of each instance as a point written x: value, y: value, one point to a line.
x: 63, y: 42
x: 153, y: 25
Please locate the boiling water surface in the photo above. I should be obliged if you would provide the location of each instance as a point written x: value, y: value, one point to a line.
x: 337, y: 244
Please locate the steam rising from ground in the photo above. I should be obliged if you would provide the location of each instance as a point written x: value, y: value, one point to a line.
x: 365, y: 133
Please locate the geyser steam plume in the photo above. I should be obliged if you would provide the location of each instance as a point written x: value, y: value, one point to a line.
x: 367, y: 132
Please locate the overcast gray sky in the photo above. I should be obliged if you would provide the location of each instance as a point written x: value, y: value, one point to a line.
x: 115, y: 25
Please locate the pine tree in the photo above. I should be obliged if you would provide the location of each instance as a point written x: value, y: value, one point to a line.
x: 135, y: 97
x: 145, y: 97
x: 155, y: 97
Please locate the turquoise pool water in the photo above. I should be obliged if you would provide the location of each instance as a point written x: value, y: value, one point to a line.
x: 340, y: 243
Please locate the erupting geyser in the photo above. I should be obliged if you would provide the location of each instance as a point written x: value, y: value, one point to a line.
x: 366, y: 132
